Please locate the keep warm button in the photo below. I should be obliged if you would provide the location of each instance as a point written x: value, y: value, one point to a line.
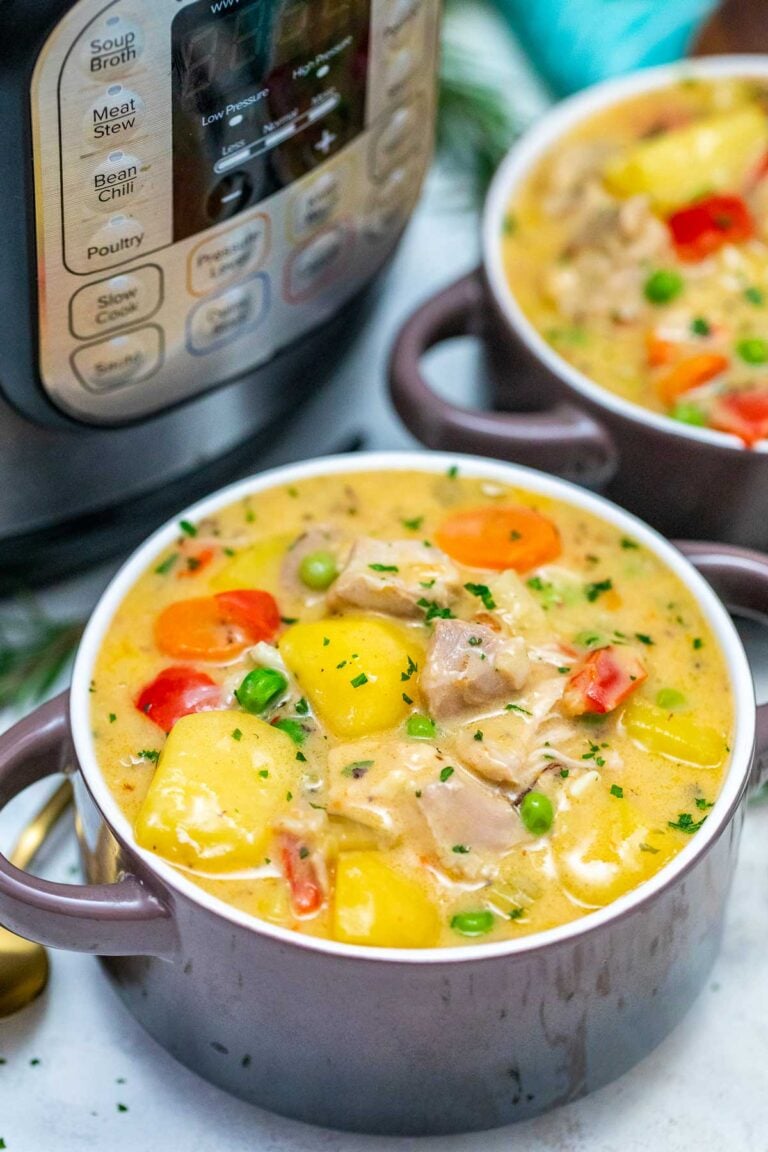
x: 120, y: 361
x: 116, y: 302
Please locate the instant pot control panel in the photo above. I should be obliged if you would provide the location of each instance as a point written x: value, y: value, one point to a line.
x: 213, y: 179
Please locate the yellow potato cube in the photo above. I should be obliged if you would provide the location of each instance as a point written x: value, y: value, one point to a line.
x: 674, y: 734
x: 714, y: 154
x: 350, y: 669
x: 375, y: 904
x: 215, y: 793
x: 601, y: 847
x: 254, y: 567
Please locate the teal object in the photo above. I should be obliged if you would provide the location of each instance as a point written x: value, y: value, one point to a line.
x: 574, y: 43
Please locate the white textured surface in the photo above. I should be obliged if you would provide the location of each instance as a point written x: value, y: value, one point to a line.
x: 703, y: 1089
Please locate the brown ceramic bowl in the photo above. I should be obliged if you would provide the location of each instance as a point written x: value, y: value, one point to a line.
x: 377, y: 1039
x: 682, y: 479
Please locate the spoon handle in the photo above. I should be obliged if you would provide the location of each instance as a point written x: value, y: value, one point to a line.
x: 40, y: 826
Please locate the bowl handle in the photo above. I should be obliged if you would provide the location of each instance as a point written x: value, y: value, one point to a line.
x: 563, y: 440
x: 740, y: 578
x: 122, y: 919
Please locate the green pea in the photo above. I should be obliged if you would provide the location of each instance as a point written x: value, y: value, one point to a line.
x: 259, y: 688
x: 663, y: 285
x: 293, y: 729
x: 473, y: 923
x: 421, y: 727
x: 753, y: 350
x: 688, y: 413
x: 318, y: 570
x: 537, y: 813
x: 670, y: 699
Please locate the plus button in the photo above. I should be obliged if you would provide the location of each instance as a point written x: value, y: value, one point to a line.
x: 324, y: 143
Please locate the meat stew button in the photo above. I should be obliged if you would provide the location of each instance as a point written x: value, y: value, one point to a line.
x: 115, y: 116
x: 121, y: 360
x: 116, y: 302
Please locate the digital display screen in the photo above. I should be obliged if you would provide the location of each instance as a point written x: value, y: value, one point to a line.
x: 263, y: 92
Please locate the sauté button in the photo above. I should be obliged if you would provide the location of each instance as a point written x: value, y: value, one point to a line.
x: 121, y: 360
x: 117, y: 241
x: 228, y: 256
x: 116, y: 302
x: 225, y: 317
x: 316, y: 204
x: 119, y: 178
x: 111, y: 47
x: 116, y: 116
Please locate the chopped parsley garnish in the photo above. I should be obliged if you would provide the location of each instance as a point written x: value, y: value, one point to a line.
x: 617, y: 791
x: 412, y: 667
x: 150, y: 754
x: 703, y: 804
x: 432, y: 611
x: 340, y: 665
x: 460, y: 849
x: 592, y: 591
x: 516, y: 913
x: 643, y: 637
x: 565, y: 773
x: 326, y: 641
x: 483, y: 592
x: 426, y: 583
x: 509, y: 224
x: 754, y: 295
x: 288, y: 620
x: 475, y: 641
x: 648, y: 848
x: 517, y: 708
x: 193, y: 563
x: 686, y: 823
x: 697, y: 643
x: 264, y: 773
x: 384, y: 567
x: 594, y: 754
x: 358, y: 681
x: 478, y: 735
x: 627, y: 544
x: 188, y: 528
x: 452, y: 472
x: 112, y: 717
x: 700, y: 326
x: 357, y: 769
x: 407, y: 699
x: 303, y: 852
x: 122, y: 1107
x: 564, y: 669
x: 446, y: 773
x: 164, y: 568
x: 302, y: 707
x: 300, y: 756
x: 289, y: 796
x: 414, y: 524
x: 237, y: 734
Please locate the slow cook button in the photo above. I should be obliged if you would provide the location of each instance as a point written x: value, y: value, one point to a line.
x: 121, y: 360
x: 116, y: 302
x: 114, y: 117
x: 117, y: 180
x: 228, y: 256
x: 317, y: 263
x: 227, y: 316
x: 111, y: 47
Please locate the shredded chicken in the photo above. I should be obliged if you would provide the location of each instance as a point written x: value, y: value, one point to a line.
x: 393, y: 576
x: 469, y: 665
x: 368, y: 781
x: 472, y: 825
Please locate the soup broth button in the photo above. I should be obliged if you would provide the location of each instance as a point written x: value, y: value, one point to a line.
x: 111, y: 47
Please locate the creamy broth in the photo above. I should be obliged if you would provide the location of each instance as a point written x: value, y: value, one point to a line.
x: 638, y: 247
x: 442, y: 772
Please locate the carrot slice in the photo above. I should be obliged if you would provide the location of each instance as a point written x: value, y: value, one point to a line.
x: 301, y: 874
x: 500, y: 537
x: 658, y: 351
x: 216, y: 627
x: 690, y: 373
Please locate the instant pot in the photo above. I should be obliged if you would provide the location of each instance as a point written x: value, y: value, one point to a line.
x: 194, y: 195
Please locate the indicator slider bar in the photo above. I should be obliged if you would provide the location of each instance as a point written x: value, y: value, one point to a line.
x: 243, y: 155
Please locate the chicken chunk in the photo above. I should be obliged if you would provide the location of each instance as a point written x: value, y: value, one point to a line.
x: 374, y: 781
x: 470, y: 665
x: 393, y: 576
x: 472, y: 825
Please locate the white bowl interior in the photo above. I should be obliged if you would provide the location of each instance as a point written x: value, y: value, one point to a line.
x: 524, y: 157
x: 715, y: 613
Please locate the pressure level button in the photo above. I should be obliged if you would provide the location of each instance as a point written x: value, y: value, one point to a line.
x: 116, y: 116
x: 111, y: 47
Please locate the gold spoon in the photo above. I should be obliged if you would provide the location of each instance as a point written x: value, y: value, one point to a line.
x: 24, y: 965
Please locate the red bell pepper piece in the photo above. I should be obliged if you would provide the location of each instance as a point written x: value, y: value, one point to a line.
x: 177, y: 692
x: 704, y: 227
x: 301, y: 874
x: 603, y: 681
x: 745, y: 414
x: 216, y: 627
